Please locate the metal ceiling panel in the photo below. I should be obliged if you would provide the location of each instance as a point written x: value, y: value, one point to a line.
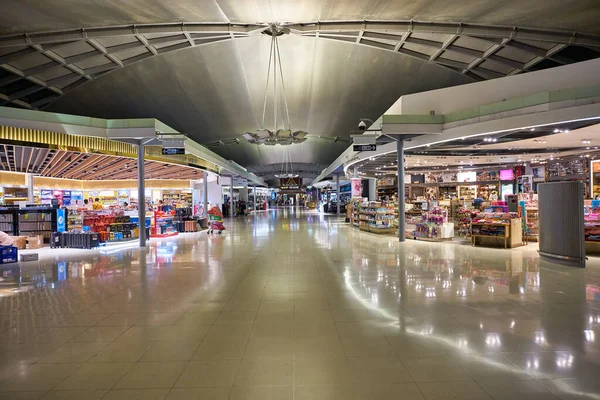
x: 73, y: 48
x: 27, y: 15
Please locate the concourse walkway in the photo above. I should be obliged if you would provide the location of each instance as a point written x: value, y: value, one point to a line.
x: 291, y: 304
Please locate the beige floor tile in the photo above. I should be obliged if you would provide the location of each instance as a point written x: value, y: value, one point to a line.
x: 333, y: 392
x: 150, y: 375
x: 400, y: 391
x: 378, y: 370
x: 237, y: 306
x: 220, y: 373
x: 186, y: 332
x: 143, y: 334
x: 73, y: 352
x: 198, y: 318
x: 100, y: 334
x: 321, y: 371
x: 270, y: 347
x: 122, y: 352
x: 364, y: 346
x: 453, y: 390
x: 95, y: 376
x: 136, y: 394
x: 84, y: 319
x: 434, y: 369
x: 420, y: 345
x: 59, y: 335
x: 262, y: 393
x: 159, y: 319
x: 220, y: 331
x: 530, y: 390
x: 120, y: 319
x: 171, y: 351
x: 198, y: 394
x: 304, y: 328
x: 22, y: 395
x: 38, y: 377
x: 205, y: 307
x: 330, y: 347
x: 265, y: 372
x: 359, y: 328
x: 75, y: 395
x: 221, y: 349
x: 227, y: 317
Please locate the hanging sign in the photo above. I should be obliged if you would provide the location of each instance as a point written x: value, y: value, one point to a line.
x: 356, y: 187
x: 290, y: 183
x: 173, y: 151
x: 61, y: 220
x: 364, y: 147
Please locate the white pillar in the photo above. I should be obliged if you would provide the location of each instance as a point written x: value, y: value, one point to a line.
x: 254, y: 197
x: 29, y: 178
x: 141, y: 195
x: 401, y: 204
x: 231, y: 198
x: 205, y: 194
x: 337, y: 184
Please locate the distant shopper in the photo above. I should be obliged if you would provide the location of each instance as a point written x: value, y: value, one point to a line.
x: 97, y: 205
x: 5, y: 240
x: 86, y: 204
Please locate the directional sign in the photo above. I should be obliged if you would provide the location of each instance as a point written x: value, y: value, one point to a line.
x: 364, y: 147
x: 173, y: 151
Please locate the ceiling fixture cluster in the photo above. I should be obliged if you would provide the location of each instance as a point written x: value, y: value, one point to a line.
x: 283, y: 136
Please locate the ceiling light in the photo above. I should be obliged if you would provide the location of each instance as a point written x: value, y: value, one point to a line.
x: 586, y: 141
x: 532, y: 129
x: 556, y: 130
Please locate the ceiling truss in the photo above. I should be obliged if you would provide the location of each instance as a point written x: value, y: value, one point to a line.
x: 38, y: 68
x: 89, y: 166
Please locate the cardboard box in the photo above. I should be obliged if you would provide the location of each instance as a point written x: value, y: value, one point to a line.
x: 35, y: 242
x: 20, y: 242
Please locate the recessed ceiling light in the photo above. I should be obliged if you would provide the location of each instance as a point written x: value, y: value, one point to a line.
x: 556, y: 130
x: 532, y: 129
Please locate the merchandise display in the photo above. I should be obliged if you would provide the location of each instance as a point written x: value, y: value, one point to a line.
x: 505, y: 226
x: 377, y: 217
x: 163, y: 224
x: 464, y: 217
x: 434, y: 225
x: 533, y: 224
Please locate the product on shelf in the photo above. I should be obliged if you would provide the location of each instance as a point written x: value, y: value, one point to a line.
x: 434, y: 225
x: 464, y: 217
x: 505, y: 226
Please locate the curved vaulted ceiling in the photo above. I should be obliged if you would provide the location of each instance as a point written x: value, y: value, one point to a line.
x: 200, y: 66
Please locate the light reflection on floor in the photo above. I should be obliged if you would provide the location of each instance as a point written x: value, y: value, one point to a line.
x: 299, y: 305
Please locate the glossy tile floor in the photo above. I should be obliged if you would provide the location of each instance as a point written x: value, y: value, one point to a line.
x: 296, y: 305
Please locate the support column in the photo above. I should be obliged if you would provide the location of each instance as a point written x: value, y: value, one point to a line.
x: 254, y: 198
x: 29, y: 188
x: 141, y: 194
x: 231, y: 199
x: 401, y: 204
x: 205, y: 195
x: 337, y: 184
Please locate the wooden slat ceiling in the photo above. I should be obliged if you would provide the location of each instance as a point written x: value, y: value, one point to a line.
x: 74, y: 165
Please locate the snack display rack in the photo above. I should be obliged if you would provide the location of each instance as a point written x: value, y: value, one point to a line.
x: 463, y: 218
x: 434, y: 226
x: 533, y: 224
x: 504, y: 226
x: 110, y: 225
x: 163, y: 225
x: 377, y: 217
x: 591, y: 225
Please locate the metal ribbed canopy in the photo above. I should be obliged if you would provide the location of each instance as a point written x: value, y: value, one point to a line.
x: 199, y: 66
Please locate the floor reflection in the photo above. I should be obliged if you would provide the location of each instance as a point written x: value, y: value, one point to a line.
x: 311, y: 292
